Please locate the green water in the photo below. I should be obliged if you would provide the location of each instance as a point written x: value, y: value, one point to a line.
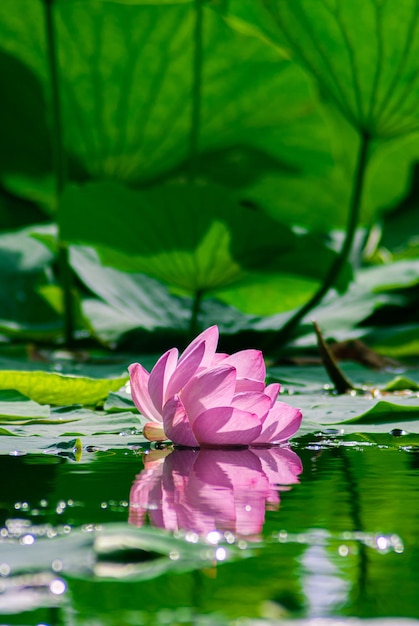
x: 340, y: 542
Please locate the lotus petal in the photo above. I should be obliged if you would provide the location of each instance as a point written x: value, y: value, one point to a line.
x: 176, y: 424
x: 160, y: 376
x: 185, y: 370
x: 210, y: 339
x: 139, y: 391
x: 280, y: 424
x: 248, y: 363
x: 226, y: 426
x: 213, y: 388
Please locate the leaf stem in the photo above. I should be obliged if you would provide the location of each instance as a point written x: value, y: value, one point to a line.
x: 60, y: 170
x: 57, y: 135
x: 196, y: 95
x: 285, y: 333
x: 341, y: 382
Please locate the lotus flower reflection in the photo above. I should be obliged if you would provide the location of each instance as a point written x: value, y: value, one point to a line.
x: 212, y: 490
x: 205, y: 398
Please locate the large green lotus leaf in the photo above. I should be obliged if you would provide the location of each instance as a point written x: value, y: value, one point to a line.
x: 319, y: 199
x: 350, y: 414
x: 196, y: 239
x: 374, y: 287
x: 262, y: 295
x: 54, y: 388
x: 389, y: 178
x: 363, y: 52
x: 192, y: 237
x: 133, y: 300
x: 125, y: 79
x: 340, y: 316
x: 136, y: 300
x: 24, y: 137
x: 288, y: 283
x: 137, y: 310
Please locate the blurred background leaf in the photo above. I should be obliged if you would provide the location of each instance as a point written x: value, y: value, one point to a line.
x: 197, y: 239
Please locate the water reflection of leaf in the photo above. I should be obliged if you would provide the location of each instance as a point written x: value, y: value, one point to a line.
x: 212, y: 490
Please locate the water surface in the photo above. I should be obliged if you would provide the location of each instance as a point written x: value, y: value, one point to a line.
x: 328, y: 528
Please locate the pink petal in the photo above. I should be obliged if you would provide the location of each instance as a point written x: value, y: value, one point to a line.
x: 210, y: 339
x: 247, y: 384
x: 139, y: 378
x: 218, y: 358
x: 212, y: 388
x: 281, y: 423
x: 248, y: 363
x: 272, y: 391
x: 160, y: 376
x: 154, y: 432
x: 176, y: 424
x: 223, y: 426
x: 185, y: 369
x: 252, y: 402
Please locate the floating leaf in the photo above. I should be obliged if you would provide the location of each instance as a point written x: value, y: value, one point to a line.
x: 15, y: 405
x: 53, y: 388
x: 387, y: 413
x: 400, y: 383
x: 119, y: 402
x: 100, y: 429
x: 356, y: 413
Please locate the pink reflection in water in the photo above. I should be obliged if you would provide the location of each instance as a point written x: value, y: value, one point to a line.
x: 206, y: 490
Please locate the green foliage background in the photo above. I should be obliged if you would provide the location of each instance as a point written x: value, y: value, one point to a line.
x: 206, y: 168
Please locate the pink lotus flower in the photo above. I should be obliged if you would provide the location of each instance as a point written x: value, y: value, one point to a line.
x: 212, y: 490
x: 205, y: 398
